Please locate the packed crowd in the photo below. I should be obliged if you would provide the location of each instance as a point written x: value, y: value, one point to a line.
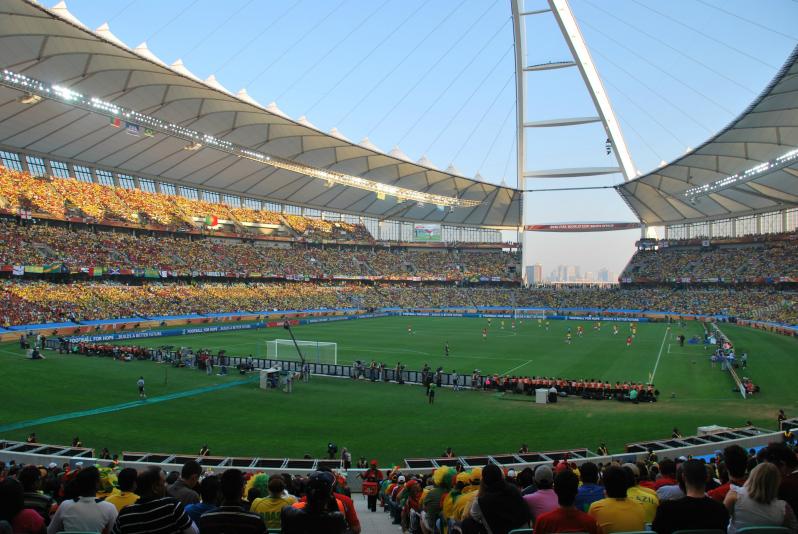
x: 62, y: 198
x: 773, y: 259
x: 734, y: 490
x: 42, y: 302
x: 38, y: 302
x: 82, y: 248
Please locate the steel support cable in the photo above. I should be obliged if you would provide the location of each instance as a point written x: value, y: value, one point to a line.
x: 454, y: 80
x: 302, y: 36
x: 683, y: 54
x: 519, y: 179
x: 431, y: 68
x: 125, y: 8
x: 257, y: 36
x: 668, y: 74
x: 464, y: 104
x: 332, y: 49
x: 170, y: 21
x: 482, y: 118
x: 217, y: 27
x: 645, y: 112
x: 640, y: 136
x: 705, y: 36
x: 749, y: 21
x: 497, y: 136
x: 371, y: 52
x: 457, y: 6
x: 651, y: 89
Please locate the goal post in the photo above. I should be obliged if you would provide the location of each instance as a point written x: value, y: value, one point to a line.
x: 313, y: 351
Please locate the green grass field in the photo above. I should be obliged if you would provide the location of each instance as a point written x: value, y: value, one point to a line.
x: 388, y: 421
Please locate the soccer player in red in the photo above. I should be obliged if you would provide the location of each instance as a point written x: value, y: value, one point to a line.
x: 629, y: 341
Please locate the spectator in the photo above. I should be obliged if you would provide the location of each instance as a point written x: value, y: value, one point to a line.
x: 735, y: 460
x: 231, y: 515
x: 84, y: 514
x: 30, y: 478
x: 125, y: 494
x: 12, y: 509
x: 667, y: 474
x: 321, y: 512
x: 670, y: 492
x: 433, y: 500
x: 499, y: 507
x: 566, y: 518
x: 590, y: 491
x: 785, y: 459
x: 183, y: 489
x: 756, y: 504
x: 154, y: 511
x: 209, y: 491
x: 616, y: 513
x: 269, y: 507
x: 645, y: 497
x: 696, y: 510
x: 544, y: 499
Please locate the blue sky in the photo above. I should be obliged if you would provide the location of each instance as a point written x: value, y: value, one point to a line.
x: 435, y: 77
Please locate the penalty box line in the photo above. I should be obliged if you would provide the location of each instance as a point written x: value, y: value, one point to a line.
x: 122, y: 406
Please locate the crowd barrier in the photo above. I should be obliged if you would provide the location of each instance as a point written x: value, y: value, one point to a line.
x: 700, y: 445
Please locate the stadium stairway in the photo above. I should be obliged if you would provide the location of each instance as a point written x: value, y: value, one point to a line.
x: 373, y: 522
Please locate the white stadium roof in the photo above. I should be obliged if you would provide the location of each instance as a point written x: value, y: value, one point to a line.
x: 53, y: 47
x: 749, y: 167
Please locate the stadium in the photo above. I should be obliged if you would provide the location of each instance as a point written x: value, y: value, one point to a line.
x: 191, y: 280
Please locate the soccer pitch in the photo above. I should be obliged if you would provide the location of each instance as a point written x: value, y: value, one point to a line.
x: 96, y: 398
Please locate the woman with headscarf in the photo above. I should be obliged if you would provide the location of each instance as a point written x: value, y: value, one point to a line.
x: 498, y: 507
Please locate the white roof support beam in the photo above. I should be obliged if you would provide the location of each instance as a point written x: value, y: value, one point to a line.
x: 576, y: 42
x: 573, y: 121
x: 572, y: 173
x: 552, y: 65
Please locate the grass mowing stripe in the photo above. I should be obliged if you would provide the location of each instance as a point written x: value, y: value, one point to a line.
x: 656, y: 364
x: 123, y: 406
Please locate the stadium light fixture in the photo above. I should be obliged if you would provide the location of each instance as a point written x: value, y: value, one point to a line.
x: 741, y: 177
x: 30, y: 98
x: 199, y: 140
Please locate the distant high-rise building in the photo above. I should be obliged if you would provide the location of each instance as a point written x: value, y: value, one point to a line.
x: 562, y: 273
x: 534, y: 274
x: 589, y: 276
x: 603, y: 275
x: 571, y: 273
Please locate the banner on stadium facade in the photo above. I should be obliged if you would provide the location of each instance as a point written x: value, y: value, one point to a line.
x: 582, y: 227
x: 427, y: 233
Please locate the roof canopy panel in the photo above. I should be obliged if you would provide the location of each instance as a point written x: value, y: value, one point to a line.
x: 52, y: 46
x: 763, y: 133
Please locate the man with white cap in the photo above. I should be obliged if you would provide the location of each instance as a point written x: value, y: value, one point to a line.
x: 544, y: 499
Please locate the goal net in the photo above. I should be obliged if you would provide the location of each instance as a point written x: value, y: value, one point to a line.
x: 313, y: 351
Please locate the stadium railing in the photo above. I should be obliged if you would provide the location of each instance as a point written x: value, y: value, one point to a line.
x: 721, y: 336
x: 42, y: 454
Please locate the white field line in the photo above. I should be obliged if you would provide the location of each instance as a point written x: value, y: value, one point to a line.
x: 517, y: 367
x: 656, y: 364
